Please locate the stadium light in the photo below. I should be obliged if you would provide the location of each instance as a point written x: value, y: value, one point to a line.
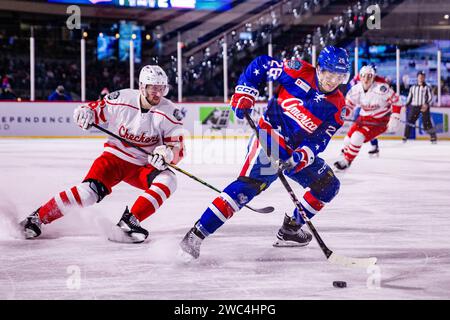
x: 446, y: 17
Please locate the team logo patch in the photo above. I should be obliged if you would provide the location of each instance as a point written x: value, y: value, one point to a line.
x: 242, y: 198
x: 295, y: 110
x: 383, y: 88
x: 179, y: 114
x: 294, y: 64
x: 114, y: 95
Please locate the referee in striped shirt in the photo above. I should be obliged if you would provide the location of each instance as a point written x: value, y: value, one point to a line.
x: 420, y: 98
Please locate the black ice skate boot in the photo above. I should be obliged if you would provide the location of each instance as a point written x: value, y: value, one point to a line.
x: 128, y: 230
x: 31, y: 225
x: 375, y: 151
x: 190, y: 245
x: 342, y: 164
x: 291, y: 234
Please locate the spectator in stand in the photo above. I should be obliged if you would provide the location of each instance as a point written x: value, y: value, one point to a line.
x: 7, y: 93
x: 59, y: 95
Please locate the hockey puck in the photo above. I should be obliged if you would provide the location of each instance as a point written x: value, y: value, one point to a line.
x: 339, y: 284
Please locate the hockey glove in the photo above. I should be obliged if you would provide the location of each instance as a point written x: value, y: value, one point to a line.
x: 83, y: 117
x: 162, y: 155
x: 394, y: 122
x: 243, y: 100
x: 301, y: 158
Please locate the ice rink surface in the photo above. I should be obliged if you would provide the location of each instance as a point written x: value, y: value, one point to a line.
x: 395, y: 207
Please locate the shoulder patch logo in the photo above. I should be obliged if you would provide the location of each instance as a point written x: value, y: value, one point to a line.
x: 303, y: 85
x: 383, y: 88
x: 294, y: 64
x: 114, y: 95
x: 179, y: 114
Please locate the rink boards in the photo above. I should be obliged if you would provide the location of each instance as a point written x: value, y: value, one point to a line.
x: 54, y: 120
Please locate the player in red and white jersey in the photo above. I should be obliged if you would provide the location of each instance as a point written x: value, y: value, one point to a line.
x: 145, y: 118
x: 380, y: 112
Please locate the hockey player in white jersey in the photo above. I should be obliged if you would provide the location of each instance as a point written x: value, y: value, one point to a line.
x: 148, y: 120
x: 380, y: 112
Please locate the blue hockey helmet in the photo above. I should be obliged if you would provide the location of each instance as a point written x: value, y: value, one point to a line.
x: 335, y: 61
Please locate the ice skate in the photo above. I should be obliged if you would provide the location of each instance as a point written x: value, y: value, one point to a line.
x: 374, y: 151
x: 291, y: 234
x: 190, y: 246
x: 31, y: 225
x: 342, y: 165
x: 128, y: 230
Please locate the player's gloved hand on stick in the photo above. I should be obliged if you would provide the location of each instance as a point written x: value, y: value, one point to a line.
x: 298, y: 160
x: 162, y: 155
x: 394, y: 122
x: 243, y: 100
x: 347, y: 113
x: 83, y: 117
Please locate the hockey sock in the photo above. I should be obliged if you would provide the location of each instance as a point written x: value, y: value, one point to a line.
x: 150, y: 200
x: 78, y: 196
x: 310, y: 204
x: 218, y: 212
x: 352, y: 150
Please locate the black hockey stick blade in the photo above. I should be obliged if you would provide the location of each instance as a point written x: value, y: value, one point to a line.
x: 261, y: 210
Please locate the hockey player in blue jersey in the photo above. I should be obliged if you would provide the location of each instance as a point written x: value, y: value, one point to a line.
x: 299, y: 122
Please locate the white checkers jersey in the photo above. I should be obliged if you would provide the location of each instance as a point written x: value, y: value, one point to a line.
x: 377, y: 102
x: 121, y: 112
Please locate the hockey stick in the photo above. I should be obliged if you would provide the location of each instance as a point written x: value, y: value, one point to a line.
x: 375, y: 124
x: 330, y: 255
x: 259, y: 210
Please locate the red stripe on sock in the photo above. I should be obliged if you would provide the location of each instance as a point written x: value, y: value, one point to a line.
x: 155, y: 195
x: 64, y: 198
x: 163, y: 188
x: 354, y: 148
x: 142, y: 208
x: 76, y: 195
x: 224, y: 207
x: 313, y: 201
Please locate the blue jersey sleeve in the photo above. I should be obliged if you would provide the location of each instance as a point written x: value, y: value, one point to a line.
x: 261, y: 69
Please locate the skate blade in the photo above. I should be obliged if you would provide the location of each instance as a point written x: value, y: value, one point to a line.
x: 116, y: 234
x: 184, y: 257
x: 374, y: 155
x: 288, y: 244
x: 29, y: 234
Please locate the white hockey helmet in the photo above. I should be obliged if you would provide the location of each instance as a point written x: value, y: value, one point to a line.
x: 155, y: 75
x: 367, y: 70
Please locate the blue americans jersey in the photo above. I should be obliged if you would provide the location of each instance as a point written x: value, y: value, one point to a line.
x: 299, y: 116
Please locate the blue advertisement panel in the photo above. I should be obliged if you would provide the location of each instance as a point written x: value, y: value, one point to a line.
x: 168, y: 4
